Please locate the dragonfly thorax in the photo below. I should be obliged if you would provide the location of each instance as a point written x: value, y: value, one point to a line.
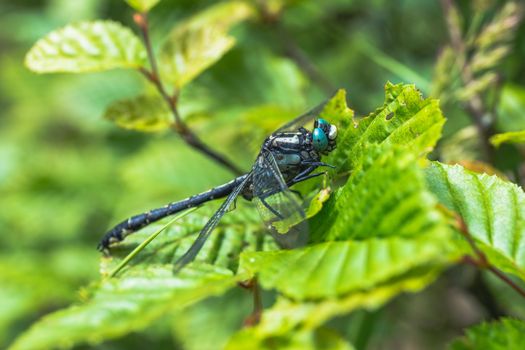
x: 296, y: 151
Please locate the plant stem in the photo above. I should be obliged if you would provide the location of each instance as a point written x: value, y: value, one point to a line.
x: 481, y: 260
x: 178, y: 126
x: 255, y: 316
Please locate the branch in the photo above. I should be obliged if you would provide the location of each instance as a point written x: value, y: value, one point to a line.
x: 178, y: 126
x: 481, y: 260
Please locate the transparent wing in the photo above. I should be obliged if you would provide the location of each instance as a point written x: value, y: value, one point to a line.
x: 303, y: 119
x: 277, y: 205
x: 210, y: 225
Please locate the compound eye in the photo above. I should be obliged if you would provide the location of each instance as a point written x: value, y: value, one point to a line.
x: 320, y: 141
x: 321, y: 122
x: 332, y: 134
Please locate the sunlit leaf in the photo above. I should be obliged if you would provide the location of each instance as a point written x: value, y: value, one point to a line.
x: 405, y: 119
x: 332, y: 269
x: 87, y: 47
x: 385, y: 197
x: 287, y: 316
x: 504, y: 334
x: 508, y: 137
x: 122, y: 305
x: 197, y: 43
x: 337, y: 112
x: 142, y: 113
x: 305, y: 340
x: 147, y: 289
x: 492, y: 208
x: 142, y: 5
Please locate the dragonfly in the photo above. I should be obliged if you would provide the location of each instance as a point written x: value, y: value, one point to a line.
x: 288, y: 156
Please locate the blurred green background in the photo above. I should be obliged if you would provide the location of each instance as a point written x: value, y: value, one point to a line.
x: 67, y: 175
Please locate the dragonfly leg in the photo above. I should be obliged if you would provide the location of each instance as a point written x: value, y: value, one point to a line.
x: 298, y: 178
x: 299, y: 194
x: 304, y: 175
x: 270, y: 208
x: 316, y: 164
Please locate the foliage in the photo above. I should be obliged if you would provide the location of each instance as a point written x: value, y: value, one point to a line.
x: 485, y: 46
x: 143, y: 113
x: 196, y: 44
x: 386, y: 243
x: 503, y: 334
x: 87, y: 47
x: 514, y: 137
x: 142, y: 5
x: 493, y: 210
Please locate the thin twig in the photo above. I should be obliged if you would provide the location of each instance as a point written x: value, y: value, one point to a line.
x: 474, y: 105
x: 507, y: 280
x: 178, y: 126
x: 481, y: 260
x: 255, y: 316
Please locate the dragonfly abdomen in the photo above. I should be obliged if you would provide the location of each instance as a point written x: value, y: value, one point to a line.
x: 136, y: 222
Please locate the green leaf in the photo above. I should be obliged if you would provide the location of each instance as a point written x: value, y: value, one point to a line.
x: 287, y: 316
x: 508, y: 137
x: 504, y: 334
x: 308, y: 340
x: 493, y: 210
x: 122, y: 305
x: 332, y: 269
x: 147, y: 289
x: 142, y: 113
x: 87, y: 47
x: 337, y: 112
x: 404, y: 119
x: 197, y: 43
x: 142, y: 5
x: 239, y: 231
x: 385, y: 197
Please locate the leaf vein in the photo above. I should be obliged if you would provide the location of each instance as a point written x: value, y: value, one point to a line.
x: 489, y: 221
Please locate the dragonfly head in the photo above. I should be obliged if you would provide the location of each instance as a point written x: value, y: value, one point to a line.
x: 323, y: 136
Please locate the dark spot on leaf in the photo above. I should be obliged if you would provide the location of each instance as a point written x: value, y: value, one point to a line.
x: 390, y: 116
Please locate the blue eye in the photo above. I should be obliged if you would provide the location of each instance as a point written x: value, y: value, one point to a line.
x: 321, y: 122
x: 320, y: 140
